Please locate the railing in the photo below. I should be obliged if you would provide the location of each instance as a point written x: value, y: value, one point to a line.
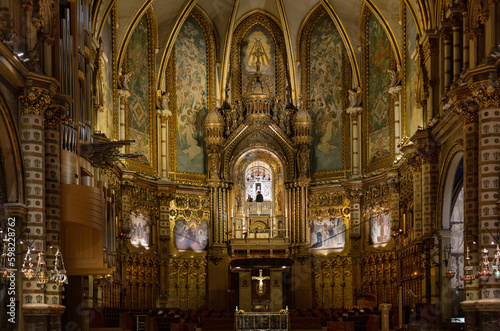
x: 259, y: 208
x: 262, y: 321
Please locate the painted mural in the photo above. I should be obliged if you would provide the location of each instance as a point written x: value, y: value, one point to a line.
x: 107, y: 46
x: 259, y: 39
x: 380, y: 229
x: 379, y: 55
x: 326, y: 95
x: 191, y: 96
x: 413, y: 115
x: 328, y: 233
x: 191, y: 235
x: 140, y: 230
x: 138, y: 102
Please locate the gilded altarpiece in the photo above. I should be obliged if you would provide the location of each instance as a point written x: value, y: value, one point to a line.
x: 191, y: 88
x: 378, y: 117
x: 379, y: 282
x: 187, y: 268
x: 325, y: 80
x: 141, y: 280
x: 140, y: 123
x: 332, y: 280
x: 187, y: 282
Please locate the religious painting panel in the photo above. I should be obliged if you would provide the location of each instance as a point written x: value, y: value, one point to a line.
x: 326, y: 88
x: 191, y: 235
x: 258, y: 44
x: 107, y: 79
x: 413, y: 116
x: 328, y: 233
x: 380, y: 228
x: 139, y: 105
x: 140, y: 229
x: 191, y: 96
x: 378, y: 120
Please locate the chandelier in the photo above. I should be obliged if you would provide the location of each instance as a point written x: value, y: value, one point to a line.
x: 41, y: 273
x: 59, y: 276
x: 468, y: 277
x: 258, y: 174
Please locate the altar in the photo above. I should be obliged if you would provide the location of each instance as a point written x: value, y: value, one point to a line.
x: 276, y: 321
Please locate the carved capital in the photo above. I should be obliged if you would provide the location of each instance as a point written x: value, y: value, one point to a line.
x: 428, y: 152
x: 54, y: 115
x: 393, y: 181
x: 414, y: 161
x: 467, y: 110
x: 354, y: 111
x: 28, y: 5
x: 486, y: 94
x: 34, y: 101
x: 354, y: 195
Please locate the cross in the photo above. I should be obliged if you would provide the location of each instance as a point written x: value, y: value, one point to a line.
x: 260, y: 278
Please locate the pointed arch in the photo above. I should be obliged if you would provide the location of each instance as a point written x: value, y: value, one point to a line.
x: 267, y: 22
x: 378, y: 108
x: 208, y: 100
x: 347, y: 42
x: 325, y: 79
x: 388, y: 30
x: 12, y: 167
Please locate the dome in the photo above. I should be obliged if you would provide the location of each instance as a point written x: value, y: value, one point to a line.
x: 214, y: 118
x: 302, y: 117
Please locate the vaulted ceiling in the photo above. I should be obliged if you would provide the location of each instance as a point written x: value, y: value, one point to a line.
x: 226, y: 14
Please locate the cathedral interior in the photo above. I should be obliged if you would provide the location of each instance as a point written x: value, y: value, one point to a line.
x: 177, y: 164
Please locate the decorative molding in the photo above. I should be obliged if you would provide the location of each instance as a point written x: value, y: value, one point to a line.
x: 486, y: 94
x: 34, y: 101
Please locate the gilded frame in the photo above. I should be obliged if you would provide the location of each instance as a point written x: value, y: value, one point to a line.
x: 304, y: 41
x: 209, y: 32
x: 388, y: 161
x: 150, y: 170
x: 235, y: 58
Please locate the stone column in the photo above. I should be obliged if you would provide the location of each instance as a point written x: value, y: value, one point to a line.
x: 33, y: 102
x: 393, y: 183
x: 396, y: 92
x: 457, y: 52
x: 54, y: 115
x: 354, y: 193
x: 163, y: 116
x: 122, y: 116
x: 486, y: 94
x: 465, y: 41
x: 355, y: 115
x: 446, y: 36
x: 467, y: 110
